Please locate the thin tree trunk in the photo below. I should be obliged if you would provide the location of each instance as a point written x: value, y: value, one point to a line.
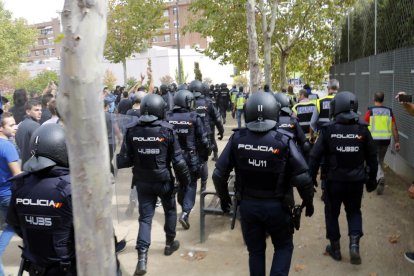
x: 125, y: 71
x: 283, y: 63
x: 253, y: 48
x: 81, y: 105
x: 267, y: 59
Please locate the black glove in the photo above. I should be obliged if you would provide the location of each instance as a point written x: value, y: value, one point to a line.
x: 220, y: 136
x: 225, y: 204
x: 371, y: 185
x: 309, y: 209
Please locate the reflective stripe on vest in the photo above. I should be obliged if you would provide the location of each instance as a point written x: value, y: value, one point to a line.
x: 380, y: 123
x: 240, y: 101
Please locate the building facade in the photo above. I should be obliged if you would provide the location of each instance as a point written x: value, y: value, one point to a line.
x: 45, y: 46
x: 168, y: 34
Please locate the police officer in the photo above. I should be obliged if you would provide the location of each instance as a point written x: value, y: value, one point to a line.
x: 223, y: 100
x: 262, y: 152
x: 192, y: 137
x: 210, y: 117
x: 233, y: 94
x: 209, y: 94
x: 46, y: 179
x: 304, y: 110
x: 167, y: 96
x: 150, y: 146
x: 321, y: 114
x: 239, y: 104
x: 347, y: 145
x: 289, y: 123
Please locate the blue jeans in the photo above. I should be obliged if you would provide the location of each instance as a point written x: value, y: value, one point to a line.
x: 8, y: 232
x: 239, y: 113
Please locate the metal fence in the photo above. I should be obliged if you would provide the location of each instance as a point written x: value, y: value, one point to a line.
x: 390, y: 73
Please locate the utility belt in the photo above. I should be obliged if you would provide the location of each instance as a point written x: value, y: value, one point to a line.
x: 58, y: 268
x: 259, y: 194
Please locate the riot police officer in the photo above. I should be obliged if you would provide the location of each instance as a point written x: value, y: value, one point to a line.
x: 46, y: 179
x: 167, y: 96
x: 263, y: 152
x: 290, y: 123
x: 209, y: 94
x: 223, y: 100
x: 347, y: 146
x: 150, y: 146
x: 192, y: 137
x: 210, y: 117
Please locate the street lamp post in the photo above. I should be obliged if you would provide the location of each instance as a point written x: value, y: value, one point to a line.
x: 178, y: 44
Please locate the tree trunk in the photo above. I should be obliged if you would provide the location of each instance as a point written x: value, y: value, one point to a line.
x: 253, y: 48
x: 125, y: 71
x: 283, y: 63
x: 267, y: 59
x: 80, y: 103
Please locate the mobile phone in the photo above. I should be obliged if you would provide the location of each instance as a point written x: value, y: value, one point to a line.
x: 404, y: 98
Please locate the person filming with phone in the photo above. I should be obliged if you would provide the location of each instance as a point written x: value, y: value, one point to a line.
x: 406, y: 101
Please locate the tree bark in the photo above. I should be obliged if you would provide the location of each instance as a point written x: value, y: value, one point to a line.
x: 80, y: 104
x: 253, y: 48
x: 284, y: 55
x: 267, y: 31
x: 124, y: 67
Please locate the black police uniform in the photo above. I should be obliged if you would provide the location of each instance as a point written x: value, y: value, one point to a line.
x: 223, y: 101
x: 41, y: 213
x: 346, y: 144
x: 211, y: 118
x: 190, y: 131
x: 291, y: 124
x: 271, y: 156
x: 304, y: 113
x: 150, y: 148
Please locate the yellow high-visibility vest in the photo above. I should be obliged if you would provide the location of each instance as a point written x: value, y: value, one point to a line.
x: 380, y: 122
x: 240, y: 101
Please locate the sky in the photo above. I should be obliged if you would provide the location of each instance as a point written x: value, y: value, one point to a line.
x: 35, y: 11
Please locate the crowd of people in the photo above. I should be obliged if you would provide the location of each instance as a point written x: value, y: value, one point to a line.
x: 168, y: 135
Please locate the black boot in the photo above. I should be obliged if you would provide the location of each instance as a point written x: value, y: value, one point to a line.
x: 203, y: 186
x: 141, y: 268
x: 334, y: 250
x: 215, y: 156
x: 354, y: 250
x: 170, y: 246
x: 184, y: 220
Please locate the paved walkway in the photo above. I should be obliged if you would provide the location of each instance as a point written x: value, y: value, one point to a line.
x: 388, y: 226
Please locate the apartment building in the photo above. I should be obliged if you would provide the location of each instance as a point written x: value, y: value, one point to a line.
x: 45, y: 46
x: 168, y: 36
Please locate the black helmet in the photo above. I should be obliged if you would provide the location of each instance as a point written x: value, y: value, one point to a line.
x: 217, y: 86
x: 173, y: 87
x: 163, y: 89
x: 211, y: 87
x: 284, y: 102
x: 262, y: 112
x: 344, y: 102
x: 184, y: 99
x: 48, y: 148
x: 223, y: 85
x: 152, y: 108
x: 183, y: 86
x: 206, y: 89
x: 196, y: 87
